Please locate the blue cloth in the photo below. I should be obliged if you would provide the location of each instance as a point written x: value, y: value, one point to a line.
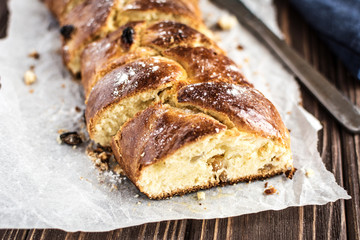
x: 338, y: 21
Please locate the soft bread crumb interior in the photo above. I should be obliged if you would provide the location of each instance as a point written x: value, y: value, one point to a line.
x: 113, y: 117
x: 228, y: 156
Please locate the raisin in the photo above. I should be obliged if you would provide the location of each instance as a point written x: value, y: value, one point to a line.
x: 66, y: 31
x: 71, y: 138
x: 127, y: 36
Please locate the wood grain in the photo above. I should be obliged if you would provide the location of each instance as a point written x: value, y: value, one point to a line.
x: 339, y: 149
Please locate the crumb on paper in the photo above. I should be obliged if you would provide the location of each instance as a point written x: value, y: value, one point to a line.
x: 138, y: 203
x: 270, y: 190
x: 149, y: 204
x: 118, y: 170
x: 77, y: 109
x: 266, y: 185
x: 200, y: 195
x: 29, y: 77
x: 34, y: 54
x: 63, y: 85
x: 309, y: 173
x: 113, y: 187
x: 240, y: 47
x: 103, y: 159
x: 246, y: 60
x: 290, y: 173
x: 289, y: 112
x: 227, y: 22
x: 31, y: 91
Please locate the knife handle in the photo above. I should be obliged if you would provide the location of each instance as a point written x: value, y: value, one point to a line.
x: 335, y: 102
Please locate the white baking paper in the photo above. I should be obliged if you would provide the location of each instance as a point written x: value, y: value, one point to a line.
x: 47, y: 185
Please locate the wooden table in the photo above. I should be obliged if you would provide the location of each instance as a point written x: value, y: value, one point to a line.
x: 340, y: 151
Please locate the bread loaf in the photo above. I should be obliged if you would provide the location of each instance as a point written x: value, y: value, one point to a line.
x: 176, y: 111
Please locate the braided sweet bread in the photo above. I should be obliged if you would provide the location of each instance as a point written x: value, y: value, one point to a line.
x: 177, y: 113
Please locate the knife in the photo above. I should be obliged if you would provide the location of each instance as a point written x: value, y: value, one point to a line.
x: 335, y: 102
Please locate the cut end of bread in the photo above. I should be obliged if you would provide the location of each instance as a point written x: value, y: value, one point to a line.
x: 114, y: 116
x: 225, y: 158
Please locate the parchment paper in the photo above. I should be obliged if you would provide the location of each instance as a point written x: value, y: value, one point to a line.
x: 47, y: 185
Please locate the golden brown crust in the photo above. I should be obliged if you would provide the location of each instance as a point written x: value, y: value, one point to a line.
x: 156, y: 133
x: 133, y: 78
x: 175, y: 7
x: 204, y: 65
x: 56, y: 6
x: 166, y: 34
x: 244, y: 106
x: 110, y: 52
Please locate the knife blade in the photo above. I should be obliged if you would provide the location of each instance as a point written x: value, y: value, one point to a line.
x: 336, y: 103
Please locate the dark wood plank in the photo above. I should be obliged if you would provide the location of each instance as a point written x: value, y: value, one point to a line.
x: 4, y: 14
x: 13, y: 234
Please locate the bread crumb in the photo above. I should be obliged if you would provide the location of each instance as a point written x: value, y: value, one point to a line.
x: 100, y: 156
x: 290, y: 173
x: 63, y: 85
x: 29, y: 77
x: 227, y: 22
x: 266, y: 184
x: 31, y: 91
x: 34, y: 54
x: 200, y: 195
x: 149, y: 204
x: 138, y: 203
x: 113, y: 187
x: 309, y: 173
x: 103, y: 156
x: 271, y: 190
x: 118, y: 170
x: 240, y: 47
